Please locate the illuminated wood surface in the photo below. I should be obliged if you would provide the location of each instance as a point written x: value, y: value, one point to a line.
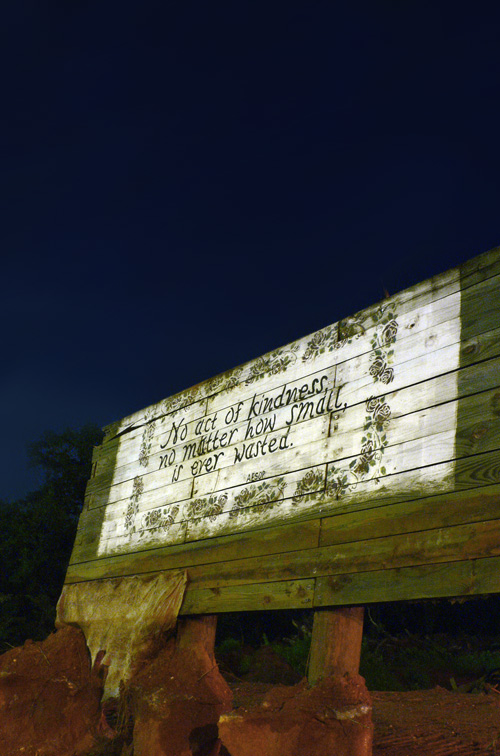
x: 358, y: 464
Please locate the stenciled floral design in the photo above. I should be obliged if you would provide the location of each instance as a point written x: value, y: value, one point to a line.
x: 351, y: 328
x: 369, y: 460
x: 260, y: 497
x: 147, y: 438
x: 334, y: 337
x: 308, y: 486
x: 322, y: 341
x: 382, y: 344
x: 133, y: 505
x: 209, y: 506
x: 214, y: 385
x: 272, y: 364
x: 223, y: 382
x: 389, y: 332
x: 179, y: 401
x: 160, y: 519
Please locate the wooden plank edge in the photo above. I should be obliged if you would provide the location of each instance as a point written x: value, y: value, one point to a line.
x: 473, y: 577
x: 284, y: 594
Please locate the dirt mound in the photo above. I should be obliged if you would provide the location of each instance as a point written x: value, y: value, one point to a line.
x: 332, y: 717
x: 50, y: 705
x: 176, y: 701
x: 49, y: 697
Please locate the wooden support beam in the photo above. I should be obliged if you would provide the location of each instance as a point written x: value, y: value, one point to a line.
x: 197, y: 631
x: 336, y: 642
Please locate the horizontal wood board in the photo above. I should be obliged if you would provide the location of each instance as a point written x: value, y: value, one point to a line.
x: 370, y: 448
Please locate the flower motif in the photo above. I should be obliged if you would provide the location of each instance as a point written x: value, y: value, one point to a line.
x: 382, y: 413
x: 362, y: 466
x: 387, y: 376
x: 310, y: 479
x: 367, y: 451
x: 242, y: 500
x: 215, y: 506
x: 390, y: 332
x: 321, y: 340
x: 260, y: 366
x: 197, y: 507
x: 245, y: 496
x: 278, y: 366
x: 372, y: 404
x: 224, y: 381
x: 341, y: 343
x: 339, y: 487
x: 378, y: 366
x: 151, y: 518
x: 307, y: 486
x: 158, y: 519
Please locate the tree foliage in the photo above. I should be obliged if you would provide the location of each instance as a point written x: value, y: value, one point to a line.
x: 38, y: 533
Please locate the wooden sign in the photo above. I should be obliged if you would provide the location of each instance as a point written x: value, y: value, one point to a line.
x: 360, y: 463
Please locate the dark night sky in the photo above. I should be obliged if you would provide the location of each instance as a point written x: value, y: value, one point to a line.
x: 187, y: 185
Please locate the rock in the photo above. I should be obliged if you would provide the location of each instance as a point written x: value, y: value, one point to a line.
x: 49, y: 697
x: 176, y: 700
x: 333, y: 717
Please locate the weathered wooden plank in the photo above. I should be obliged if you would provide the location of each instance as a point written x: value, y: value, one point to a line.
x: 115, y: 518
x: 480, y: 504
x: 291, y: 594
x: 264, y: 541
x: 479, y: 307
x: 466, y: 578
x: 456, y: 543
x: 190, y: 452
x: 272, y: 503
x: 479, y: 268
x: 482, y: 347
x: 376, y: 521
x: 414, y: 425
x: 208, y: 592
x: 469, y: 472
x: 473, y: 436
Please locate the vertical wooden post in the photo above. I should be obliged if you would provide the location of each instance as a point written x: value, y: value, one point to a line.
x: 196, y: 631
x: 336, y: 642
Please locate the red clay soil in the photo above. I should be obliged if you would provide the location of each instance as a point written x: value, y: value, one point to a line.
x: 333, y: 717
x: 49, y: 706
x: 436, y: 723
x: 433, y: 722
x: 49, y: 697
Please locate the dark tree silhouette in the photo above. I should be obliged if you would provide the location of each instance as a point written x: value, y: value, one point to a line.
x: 38, y: 533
